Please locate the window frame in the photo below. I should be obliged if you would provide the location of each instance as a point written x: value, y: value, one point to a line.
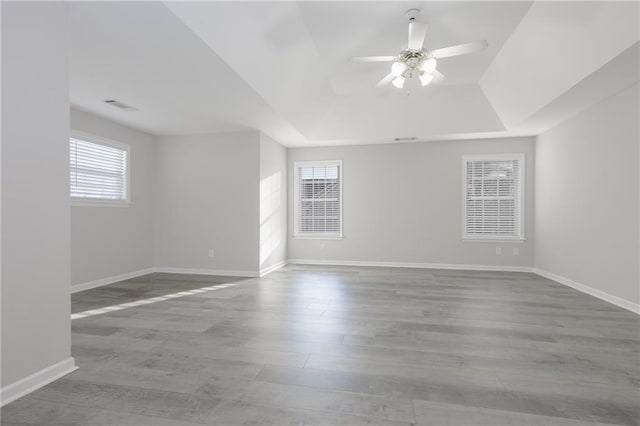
x: 98, y: 202
x: 296, y: 200
x: 520, y: 238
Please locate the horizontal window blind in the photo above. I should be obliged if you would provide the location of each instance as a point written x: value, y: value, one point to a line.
x: 98, y: 172
x: 493, y: 198
x: 319, y: 202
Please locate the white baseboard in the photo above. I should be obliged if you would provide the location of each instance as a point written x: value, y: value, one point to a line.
x: 623, y: 303
x: 110, y: 280
x: 229, y: 273
x: 36, y: 380
x: 495, y: 268
x: 272, y: 268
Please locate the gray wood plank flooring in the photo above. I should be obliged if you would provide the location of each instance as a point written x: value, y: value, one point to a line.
x: 345, y: 346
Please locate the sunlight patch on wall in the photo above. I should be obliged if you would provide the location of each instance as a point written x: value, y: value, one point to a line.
x: 270, y: 215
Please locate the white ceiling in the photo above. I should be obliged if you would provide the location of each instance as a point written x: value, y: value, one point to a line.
x: 569, y: 41
x: 142, y: 55
x: 342, y: 30
x: 283, y: 67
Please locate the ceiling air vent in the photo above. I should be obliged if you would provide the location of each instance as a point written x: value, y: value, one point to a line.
x: 120, y: 105
x: 406, y: 139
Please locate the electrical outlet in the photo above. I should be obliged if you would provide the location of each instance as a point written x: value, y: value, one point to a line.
x: 498, y: 250
x: 210, y: 252
x: 516, y: 251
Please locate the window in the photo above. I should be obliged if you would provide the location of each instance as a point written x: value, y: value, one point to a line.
x: 99, y: 171
x: 318, y: 199
x: 493, y: 197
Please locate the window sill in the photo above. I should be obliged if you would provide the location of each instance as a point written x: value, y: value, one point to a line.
x: 99, y: 203
x: 494, y: 240
x: 317, y: 237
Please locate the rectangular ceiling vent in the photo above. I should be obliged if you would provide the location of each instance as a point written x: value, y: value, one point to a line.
x: 406, y: 139
x: 121, y: 105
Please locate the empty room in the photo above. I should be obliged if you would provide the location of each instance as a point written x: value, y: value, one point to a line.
x: 320, y: 213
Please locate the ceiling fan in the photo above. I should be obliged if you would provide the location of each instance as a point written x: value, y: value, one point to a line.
x: 415, y: 60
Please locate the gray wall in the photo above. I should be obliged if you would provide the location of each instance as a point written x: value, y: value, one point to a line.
x: 35, y: 188
x: 273, y: 202
x: 207, y: 197
x: 403, y: 203
x: 110, y: 241
x: 587, y: 197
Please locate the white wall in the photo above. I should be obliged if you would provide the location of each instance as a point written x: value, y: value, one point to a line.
x: 111, y: 241
x: 403, y: 203
x: 273, y: 202
x: 35, y: 190
x: 587, y: 197
x: 207, y: 197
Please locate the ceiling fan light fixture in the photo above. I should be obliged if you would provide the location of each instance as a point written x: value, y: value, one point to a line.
x: 398, y: 81
x: 416, y: 60
x: 398, y: 68
x: 429, y: 65
x: 425, y: 78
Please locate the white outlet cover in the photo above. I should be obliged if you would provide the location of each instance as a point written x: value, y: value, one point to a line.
x: 498, y: 250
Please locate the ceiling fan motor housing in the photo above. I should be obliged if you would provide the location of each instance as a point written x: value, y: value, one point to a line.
x: 412, y: 58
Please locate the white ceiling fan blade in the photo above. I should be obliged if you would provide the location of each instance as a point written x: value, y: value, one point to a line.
x: 386, y: 80
x: 373, y: 58
x: 417, y: 33
x: 460, y: 49
x: 438, y: 77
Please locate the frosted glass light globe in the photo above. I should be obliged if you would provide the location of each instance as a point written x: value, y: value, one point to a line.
x: 398, y: 68
x: 429, y: 65
x: 398, y: 82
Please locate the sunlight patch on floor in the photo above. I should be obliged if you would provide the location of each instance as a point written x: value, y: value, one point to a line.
x: 141, y: 302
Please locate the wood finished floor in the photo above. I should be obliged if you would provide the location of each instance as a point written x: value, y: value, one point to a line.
x: 346, y: 346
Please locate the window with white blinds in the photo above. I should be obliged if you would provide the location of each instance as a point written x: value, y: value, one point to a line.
x: 98, y: 171
x: 493, y: 197
x: 318, y: 195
